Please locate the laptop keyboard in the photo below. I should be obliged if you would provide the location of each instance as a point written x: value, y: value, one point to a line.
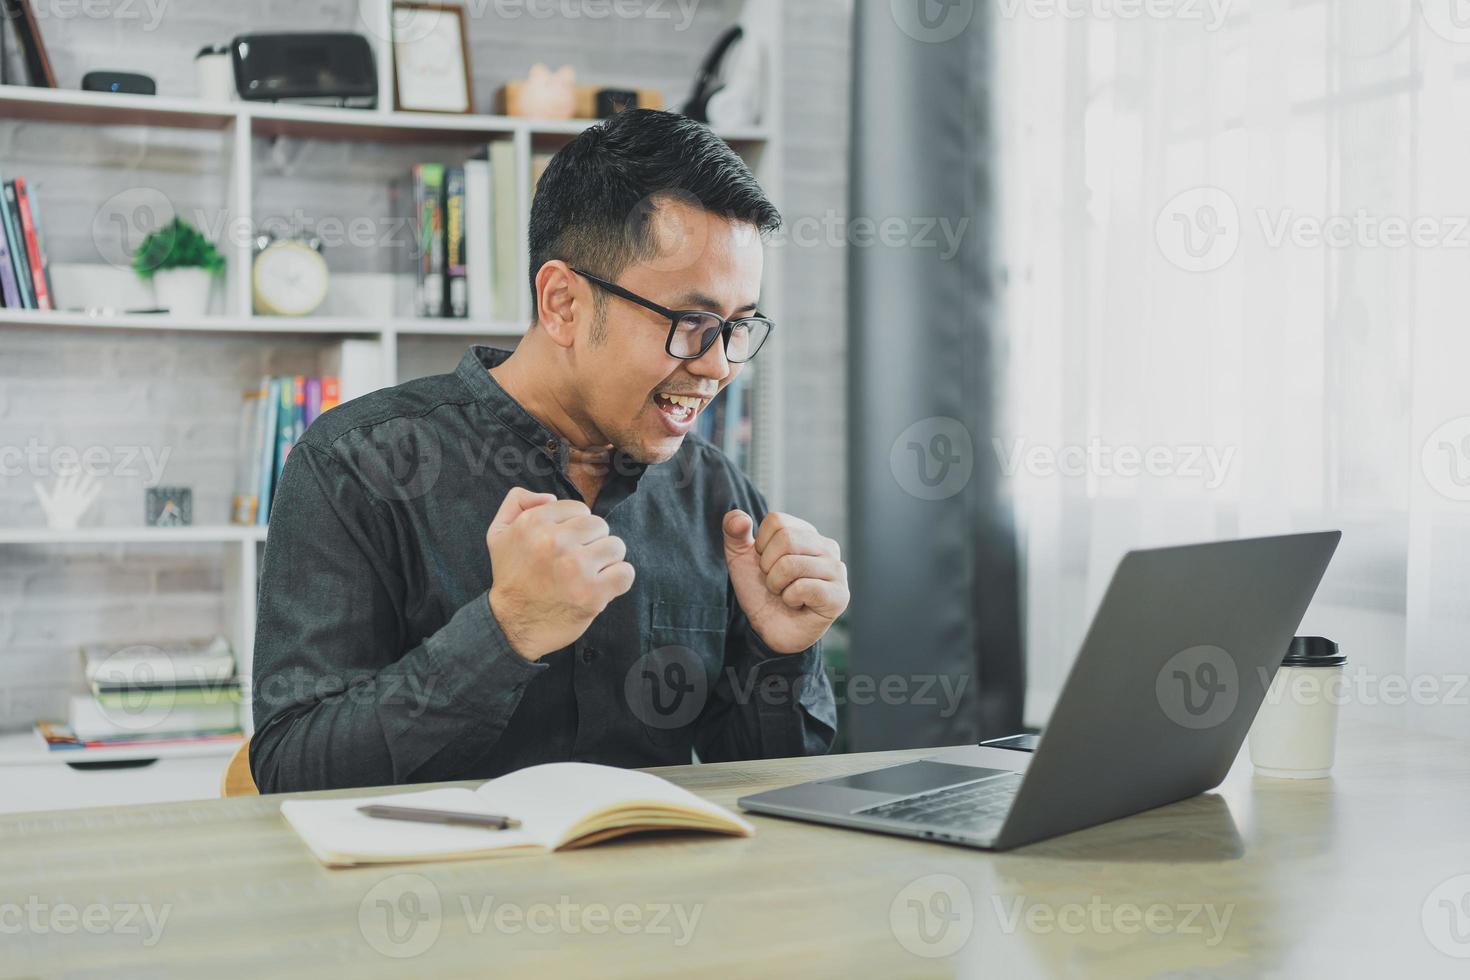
x: 972, y: 806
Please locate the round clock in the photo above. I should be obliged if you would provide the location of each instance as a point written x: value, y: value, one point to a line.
x: 289, y: 277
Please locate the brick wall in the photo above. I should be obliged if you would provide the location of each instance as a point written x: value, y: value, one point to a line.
x: 177, y: 396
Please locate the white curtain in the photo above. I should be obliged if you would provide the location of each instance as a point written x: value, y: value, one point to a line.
x: 1237, y: 263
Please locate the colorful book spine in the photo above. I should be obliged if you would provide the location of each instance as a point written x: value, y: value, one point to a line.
x: 16, y: 240
x: 428, y: 195
x: 268, y: 449
x: 298, y: 407
x: 9, y: 291
x: 331, y: 392
x: 33, y: 245
x: 285, y: 423
x: 457, y: 297
x: 313, y: 400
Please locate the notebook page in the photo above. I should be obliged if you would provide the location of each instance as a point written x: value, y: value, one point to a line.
x: 553, y: 797
x: 335, y: 827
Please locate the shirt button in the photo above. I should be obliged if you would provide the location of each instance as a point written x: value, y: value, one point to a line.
x: 552, y: 446
x: 589, y: 654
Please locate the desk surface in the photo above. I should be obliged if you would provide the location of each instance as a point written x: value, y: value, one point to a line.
x: 1364, y: 874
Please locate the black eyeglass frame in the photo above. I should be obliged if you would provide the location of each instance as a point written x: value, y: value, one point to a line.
x: 674, y: 316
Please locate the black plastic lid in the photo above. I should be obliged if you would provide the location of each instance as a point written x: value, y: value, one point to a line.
x: 213, y: 49
x: 1313, y: 651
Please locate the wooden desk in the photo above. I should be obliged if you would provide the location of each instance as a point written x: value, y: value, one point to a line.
x: 1367, y: 874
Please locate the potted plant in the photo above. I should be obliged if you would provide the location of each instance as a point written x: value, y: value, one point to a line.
x: 182, y: 265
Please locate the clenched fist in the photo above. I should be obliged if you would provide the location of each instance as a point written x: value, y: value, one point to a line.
x: 556, y: 567
x: 789, y: 580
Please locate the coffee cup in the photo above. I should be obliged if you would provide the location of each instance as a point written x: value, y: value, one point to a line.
x: 1294, y: 735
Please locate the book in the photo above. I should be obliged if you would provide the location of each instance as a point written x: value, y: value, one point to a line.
x: 34, y: 256
x: 298, y: 407
x: 209, y: 692
x: 9, y: 290
x: 59, y: 737
x: 479, y: 208
x: 456, y: 295
x: 155, y: 717
x: 268, y: 449
x: 331, y: 392
x: 154, y: 664
x: 285, y: 421
x: 560, y: 805
x: 357, y: 366
x: 428, y: 191
x: 313, y: 399
x: 504, y: 190
x: 246, y: 499
x: 16, y: 246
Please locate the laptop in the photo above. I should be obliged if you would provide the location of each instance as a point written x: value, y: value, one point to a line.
x: 1158, y: 702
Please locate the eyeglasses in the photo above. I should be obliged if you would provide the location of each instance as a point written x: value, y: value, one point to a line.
x: 692, y: 332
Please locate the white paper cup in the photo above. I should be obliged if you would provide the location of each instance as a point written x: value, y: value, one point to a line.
x: 1294, y: 735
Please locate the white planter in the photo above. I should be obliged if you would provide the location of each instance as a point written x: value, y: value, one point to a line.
x: 184, y: 292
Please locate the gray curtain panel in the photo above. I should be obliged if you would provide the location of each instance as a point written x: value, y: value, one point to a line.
x: 936, y: 647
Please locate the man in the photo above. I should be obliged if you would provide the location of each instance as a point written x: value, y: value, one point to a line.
x: 535, y: 559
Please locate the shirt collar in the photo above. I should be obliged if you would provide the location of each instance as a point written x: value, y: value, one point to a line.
x: 474, y: 371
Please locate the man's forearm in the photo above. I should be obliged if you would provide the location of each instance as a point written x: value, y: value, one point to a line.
x: 423, y: 717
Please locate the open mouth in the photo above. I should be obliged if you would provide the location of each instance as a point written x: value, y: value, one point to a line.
x: 679, y: 410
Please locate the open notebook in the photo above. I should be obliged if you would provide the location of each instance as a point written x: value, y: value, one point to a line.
x: 560, y: 805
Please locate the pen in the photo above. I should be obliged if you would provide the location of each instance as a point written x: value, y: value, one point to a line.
x: 422, y: 815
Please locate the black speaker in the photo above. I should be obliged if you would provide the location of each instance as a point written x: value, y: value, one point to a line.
x: 127, y: 82
x: 319, y: 66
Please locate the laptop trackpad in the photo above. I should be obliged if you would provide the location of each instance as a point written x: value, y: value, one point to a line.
x: 913, y: 777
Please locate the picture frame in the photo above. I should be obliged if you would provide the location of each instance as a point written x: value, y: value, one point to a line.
x: 431, y: 58
x: 39, y: 73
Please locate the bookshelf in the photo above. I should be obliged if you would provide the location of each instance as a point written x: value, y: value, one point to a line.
x: 245, y: 131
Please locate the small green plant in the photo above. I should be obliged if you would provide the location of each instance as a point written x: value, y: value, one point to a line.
x: 177, y: 245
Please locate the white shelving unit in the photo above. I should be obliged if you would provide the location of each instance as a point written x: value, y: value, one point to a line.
x: 241, y: 124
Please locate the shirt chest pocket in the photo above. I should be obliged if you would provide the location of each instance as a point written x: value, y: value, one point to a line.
x: 677, y: 674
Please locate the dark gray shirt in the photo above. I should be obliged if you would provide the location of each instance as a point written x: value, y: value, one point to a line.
x: 378, y: 660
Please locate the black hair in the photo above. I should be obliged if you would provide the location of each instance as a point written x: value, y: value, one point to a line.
x: 594, y: 203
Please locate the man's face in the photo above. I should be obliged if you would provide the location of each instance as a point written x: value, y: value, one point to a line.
x: 625, y: 375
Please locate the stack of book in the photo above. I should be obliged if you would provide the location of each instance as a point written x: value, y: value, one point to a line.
x: 144, y: 695
x: 25, y: 280
x: 465, y: 217
x: 273, y: 415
